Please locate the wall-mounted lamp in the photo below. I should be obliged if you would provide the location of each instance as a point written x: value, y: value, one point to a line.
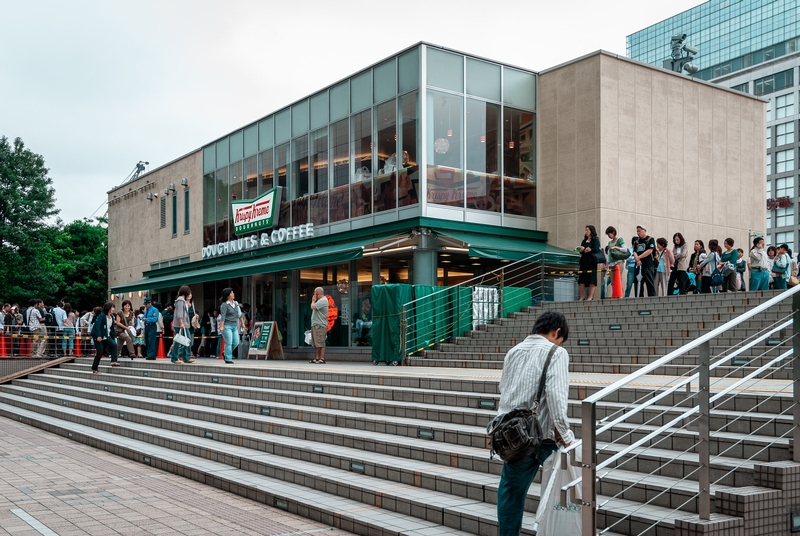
x: 184, y: 182
x: 150, y: 197
x: 172, y: 187
x: 141, y: 293
x: 166, y: 191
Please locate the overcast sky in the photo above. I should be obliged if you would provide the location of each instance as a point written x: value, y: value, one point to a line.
x: 96, y: 86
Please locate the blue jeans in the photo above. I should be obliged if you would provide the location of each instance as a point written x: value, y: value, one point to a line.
x: 759, y: 280
x: 68, y: 342
x: 231, y: 336
x: 631, y: 279
x: 513, y: 489
x: 178, y: 351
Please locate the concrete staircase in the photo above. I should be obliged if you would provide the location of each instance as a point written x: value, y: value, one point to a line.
x: 372, y: 451
x: 619, y: 336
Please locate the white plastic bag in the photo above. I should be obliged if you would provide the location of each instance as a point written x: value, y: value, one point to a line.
x: 552, y: 518
x: 308, y: 337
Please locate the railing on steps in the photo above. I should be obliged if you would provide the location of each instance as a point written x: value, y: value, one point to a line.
x: 684, y: 407
x: 438, y: 313
x: 12, y: 368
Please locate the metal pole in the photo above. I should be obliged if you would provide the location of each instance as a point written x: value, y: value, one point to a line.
x: 502, y: 285
x: 589, y: 468
x: 796, y: 376
x: 403, y: 326
x: 704, y: 501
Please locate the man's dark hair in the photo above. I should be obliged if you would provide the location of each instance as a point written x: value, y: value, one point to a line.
x: 551, y: 321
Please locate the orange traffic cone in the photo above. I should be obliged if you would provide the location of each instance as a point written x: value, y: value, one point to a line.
x: 78, y: 344
x: 617, y: 286
x: 221, y: 349
x: 3, y: 349
x: 161, y: 354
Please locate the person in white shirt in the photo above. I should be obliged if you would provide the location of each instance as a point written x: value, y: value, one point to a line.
x: 522, y: 370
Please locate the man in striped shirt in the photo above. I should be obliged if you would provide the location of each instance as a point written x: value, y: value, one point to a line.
x: 522, y: 370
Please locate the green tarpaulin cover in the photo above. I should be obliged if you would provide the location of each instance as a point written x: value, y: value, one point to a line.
x: 514, y: 299
x: 387, y: 311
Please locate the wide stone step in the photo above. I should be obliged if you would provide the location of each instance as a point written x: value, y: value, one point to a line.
x: 433, y: 506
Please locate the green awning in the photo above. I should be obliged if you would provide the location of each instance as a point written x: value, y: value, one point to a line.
x: 513, y: 249
x: 323, y: 256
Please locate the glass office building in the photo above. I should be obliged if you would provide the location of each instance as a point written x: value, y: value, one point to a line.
x: 419, y: 169
x: 750, y: 46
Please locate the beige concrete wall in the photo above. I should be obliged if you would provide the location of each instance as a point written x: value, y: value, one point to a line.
x: 135, y: 238
x: 622, y: 143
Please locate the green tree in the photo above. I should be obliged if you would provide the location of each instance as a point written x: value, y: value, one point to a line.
x: 27, y: 264
x: 81, y: 253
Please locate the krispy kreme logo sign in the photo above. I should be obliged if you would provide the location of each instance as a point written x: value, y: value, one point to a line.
x: 249, y: 216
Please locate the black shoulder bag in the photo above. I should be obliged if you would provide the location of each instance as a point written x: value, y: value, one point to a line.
x: 517, y: 433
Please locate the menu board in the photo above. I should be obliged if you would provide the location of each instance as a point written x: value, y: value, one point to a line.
x: 265, y: 341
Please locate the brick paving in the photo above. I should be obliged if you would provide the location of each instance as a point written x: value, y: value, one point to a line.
x: 72, y: 489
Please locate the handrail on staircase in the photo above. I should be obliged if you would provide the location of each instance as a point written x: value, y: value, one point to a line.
x: 590, y: 425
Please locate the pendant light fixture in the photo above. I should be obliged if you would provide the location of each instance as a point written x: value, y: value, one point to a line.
x: 511, y: 137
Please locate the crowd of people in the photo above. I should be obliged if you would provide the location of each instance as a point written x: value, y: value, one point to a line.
x: 59, y: 330
x: 658, y: 267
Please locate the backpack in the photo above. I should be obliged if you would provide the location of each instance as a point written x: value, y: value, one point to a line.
x: 50, y: 319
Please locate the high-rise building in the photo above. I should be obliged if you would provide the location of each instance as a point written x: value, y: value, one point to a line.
x: 751, y: 46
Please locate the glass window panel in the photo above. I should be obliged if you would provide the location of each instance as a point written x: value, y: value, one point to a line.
x: 186, y: 206
x: 361, y: 153
x: 445, y: 178
x: 361, y: 91
x: 340, y: 193
x: 445, y: 70
x: 483, y: 79
x: 209, y: 210
x: 251, y: 177
x: 283, y: 126
x: 385, y: 183
x: 408, y: 71
x: 267, y: 164
x: 384, y: 80
x: 319, y: 109
x: 519, y: 88
x: 223, y: 204
x: 281, y: 172
x: 340, y: 100
x: 319, y: 160
x: 784, y: 106
x: 784, y: 134
x: 519, y: 178
x: 300, y: 180
x: 408, y: 179
x: 235, y: 181
x: 266, y: 135
x: 786, y: 237
x: 784, y: 161
x: 209, y: 159
x: 174, y: 215
x: 236, y: 146
x: 483, y: 156
x: 769, y: 138
x: 300, y: 118
x: 784, y: 187
x: 223, y: 154
x: 784, y: 217
x: 251, y: 140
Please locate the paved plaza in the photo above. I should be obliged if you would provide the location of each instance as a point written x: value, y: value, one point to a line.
x: 55, y: 487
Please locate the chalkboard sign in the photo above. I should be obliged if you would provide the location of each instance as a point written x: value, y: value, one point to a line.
x: 265, y: 340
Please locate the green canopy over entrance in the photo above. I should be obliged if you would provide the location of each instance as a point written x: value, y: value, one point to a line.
x: 514, y: 249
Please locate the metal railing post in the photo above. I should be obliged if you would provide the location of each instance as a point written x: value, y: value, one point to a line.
x: 704, y: 500
x: 796, y: 377
x: 500, y: 293
x: 589, y: 468
x: 403, y: 328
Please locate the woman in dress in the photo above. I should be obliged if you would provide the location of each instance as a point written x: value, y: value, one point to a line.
x: 589, y: 248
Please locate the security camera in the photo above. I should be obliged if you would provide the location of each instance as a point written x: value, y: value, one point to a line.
x: 692, y: 51
x: 679, y: 37
x: 691, y: 68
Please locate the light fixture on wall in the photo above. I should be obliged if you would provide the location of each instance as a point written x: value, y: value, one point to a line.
x: 149, y: 197
x: 343, y: 286
x: 141, y: 293
x: 511, y: 137
x: 172, y: 187
x: 166, y: 191
x: 483, y: 138
x: 184, y: 182
x: 130, y: 295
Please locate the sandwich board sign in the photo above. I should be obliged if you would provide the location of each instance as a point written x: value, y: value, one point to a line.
x: 266, y: 341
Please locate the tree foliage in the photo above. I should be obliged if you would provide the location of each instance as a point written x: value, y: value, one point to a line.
x: 40, y: 258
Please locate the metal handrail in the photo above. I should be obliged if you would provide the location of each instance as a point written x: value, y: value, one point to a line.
x: 616, y: 386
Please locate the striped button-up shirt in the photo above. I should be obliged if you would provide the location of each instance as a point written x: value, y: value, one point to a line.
x: 521, y: 372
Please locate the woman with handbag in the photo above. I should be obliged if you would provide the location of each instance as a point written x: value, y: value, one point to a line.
x: 104, y: 336
x: 728, y: 266
x: 680, y: 252
x: 182, y: 342
x: 618, y: 255
x: 123, y: 321
x: 591, y: 256
x: 708, y: 266
x: 781, y: 268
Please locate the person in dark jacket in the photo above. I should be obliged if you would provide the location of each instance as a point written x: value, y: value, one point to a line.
x: 104, y: 335
x: 589, y: 249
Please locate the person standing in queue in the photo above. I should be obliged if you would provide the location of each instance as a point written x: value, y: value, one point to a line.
x: 151, y: 316
x: 319, y: 325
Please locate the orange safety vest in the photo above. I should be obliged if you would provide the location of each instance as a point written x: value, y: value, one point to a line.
x: 333, y: 311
